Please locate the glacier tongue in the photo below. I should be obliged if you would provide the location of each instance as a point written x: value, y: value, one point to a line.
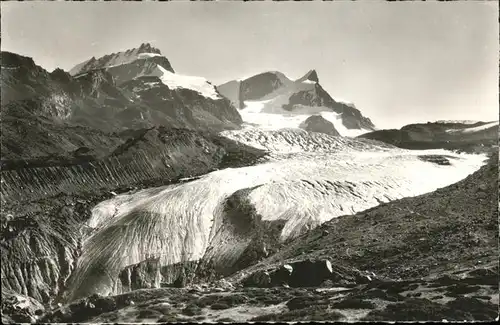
x: 309, y: 179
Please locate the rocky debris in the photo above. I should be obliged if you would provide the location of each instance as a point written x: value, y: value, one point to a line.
x: 316, y: 123
x: 439, y: 160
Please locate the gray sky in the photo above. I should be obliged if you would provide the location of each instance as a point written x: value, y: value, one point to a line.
x: 399, y: 63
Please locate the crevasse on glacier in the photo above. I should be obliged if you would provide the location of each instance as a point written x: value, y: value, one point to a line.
x: 308, y: 179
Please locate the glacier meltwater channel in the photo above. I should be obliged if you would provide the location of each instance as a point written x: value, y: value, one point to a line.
x: 309, y: 178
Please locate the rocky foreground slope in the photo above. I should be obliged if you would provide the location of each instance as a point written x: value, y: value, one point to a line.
x: 430, y: 257
x: 228, y: 219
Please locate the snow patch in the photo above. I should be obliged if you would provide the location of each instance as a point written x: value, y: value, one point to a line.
x: 147, y: 55
x: 198, y: 84
x: 456, y: 122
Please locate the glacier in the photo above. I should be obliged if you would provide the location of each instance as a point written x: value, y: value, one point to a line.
x: 306, y: 180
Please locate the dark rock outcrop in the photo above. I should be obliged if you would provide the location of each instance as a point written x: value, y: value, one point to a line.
x: 316, y: 123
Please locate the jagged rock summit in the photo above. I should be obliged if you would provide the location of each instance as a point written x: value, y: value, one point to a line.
x: 272, y: 100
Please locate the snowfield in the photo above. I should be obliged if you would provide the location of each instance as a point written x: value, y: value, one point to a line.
x: 269, y: 115
x: 308, y: 179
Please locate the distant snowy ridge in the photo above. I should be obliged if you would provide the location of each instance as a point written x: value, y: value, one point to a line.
x: 474, y: 129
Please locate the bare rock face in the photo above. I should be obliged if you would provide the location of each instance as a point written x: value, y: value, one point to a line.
x: 146, y: 274
x: 145, y: 52
x: 316, y: 123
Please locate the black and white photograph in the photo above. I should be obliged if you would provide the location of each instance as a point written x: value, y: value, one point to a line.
x: 257, y: 161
